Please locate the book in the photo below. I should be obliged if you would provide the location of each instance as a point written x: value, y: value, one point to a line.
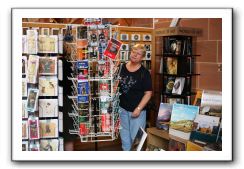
x: 48, y: 65
x: 32, y: 69
x: 211, y: 103
x: 181, y: 122
x: 178, y: 85
x: 31, y: 37
x: 191, y: 146
x: 32, y: 100
x: 49, y: 145
x: 171, y: 65
x: 164, y: 114
x: 48, y: 44
x: 33, y: 125
x: 175, y: 145
x: 170, y: 81
x: 113, y: 48
x: 139, y: 140
x: 205, y: 128
x: 24, y: 65
x: 48, y: 86
x: 198, y: 98
x: 48, y: 107
x: 49, y: 128
x: 25, y: 134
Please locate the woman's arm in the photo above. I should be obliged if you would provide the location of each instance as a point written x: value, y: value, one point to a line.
x: 142, y: 104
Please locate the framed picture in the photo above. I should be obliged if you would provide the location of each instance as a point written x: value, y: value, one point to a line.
x: 48, y: 65
x: 204, y: 19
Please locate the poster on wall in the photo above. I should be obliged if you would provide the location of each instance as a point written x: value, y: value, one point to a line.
x: 39, y: 86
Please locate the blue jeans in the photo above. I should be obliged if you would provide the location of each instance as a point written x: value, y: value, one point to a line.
x: 130, y: 126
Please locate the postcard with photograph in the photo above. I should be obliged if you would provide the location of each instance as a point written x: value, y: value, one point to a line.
x: 33, y: 124
x: 49, y: 128
x: 24, y: 87
x: 32, y: 100
x: 48, y: 86
x: 112, y: 49
x: 25, y: 134
x: 48, y: 107
x: 49, y: 145
x: 48, y: 65
x: 24, y: 65
x: 34, y: 145
x: 48, y: 44
x: 33, y: 65
x: 181, y: 122
x: 32, y: 36
x: 25, y: 146
x: 83, y: 87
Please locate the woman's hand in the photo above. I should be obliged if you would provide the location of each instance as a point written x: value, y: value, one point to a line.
x: 136, y: 113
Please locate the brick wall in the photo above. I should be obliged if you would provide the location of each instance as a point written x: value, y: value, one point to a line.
x: 209, y: 46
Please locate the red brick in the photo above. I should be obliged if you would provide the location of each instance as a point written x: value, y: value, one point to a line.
x: 201, y: 23
x: 219, y: 59
x: 210, y: 78
x: 207, y: 50
x: 215, y: 29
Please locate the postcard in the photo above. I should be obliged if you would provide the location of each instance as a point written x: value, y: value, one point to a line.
x: 48, y: 86
x: 32, y: 36
x: 49, y: 145
x: 33, y: 124
x: 25, y: 134
x: 48, y: 107
x: 32, y: 100
x: 48, y: 65
x: 48, y: 44
x: 33, y: 65
x: 49, y: 128
x: 24, y: 65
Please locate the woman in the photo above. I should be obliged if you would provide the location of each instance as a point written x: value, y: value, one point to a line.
x: 136, y: 91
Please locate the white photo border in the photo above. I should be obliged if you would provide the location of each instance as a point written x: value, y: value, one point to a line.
x: 227, y: 151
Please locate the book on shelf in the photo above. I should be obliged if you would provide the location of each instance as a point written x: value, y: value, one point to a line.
x: 178, y: 85
x: 181, y: 122
x: 198, y: 98
x: 139, y: 140
x: 171, y: 65
x: 211, y: 103
x: 169, y: 84
x: 205, y: 129
x: 164, y: 114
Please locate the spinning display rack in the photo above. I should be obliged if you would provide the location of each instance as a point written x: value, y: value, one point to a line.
x: 95, y: 82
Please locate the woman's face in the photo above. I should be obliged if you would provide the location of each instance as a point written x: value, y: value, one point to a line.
x: 136, y: 55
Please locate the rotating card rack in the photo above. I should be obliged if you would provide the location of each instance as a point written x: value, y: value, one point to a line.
x: 95, y: 82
